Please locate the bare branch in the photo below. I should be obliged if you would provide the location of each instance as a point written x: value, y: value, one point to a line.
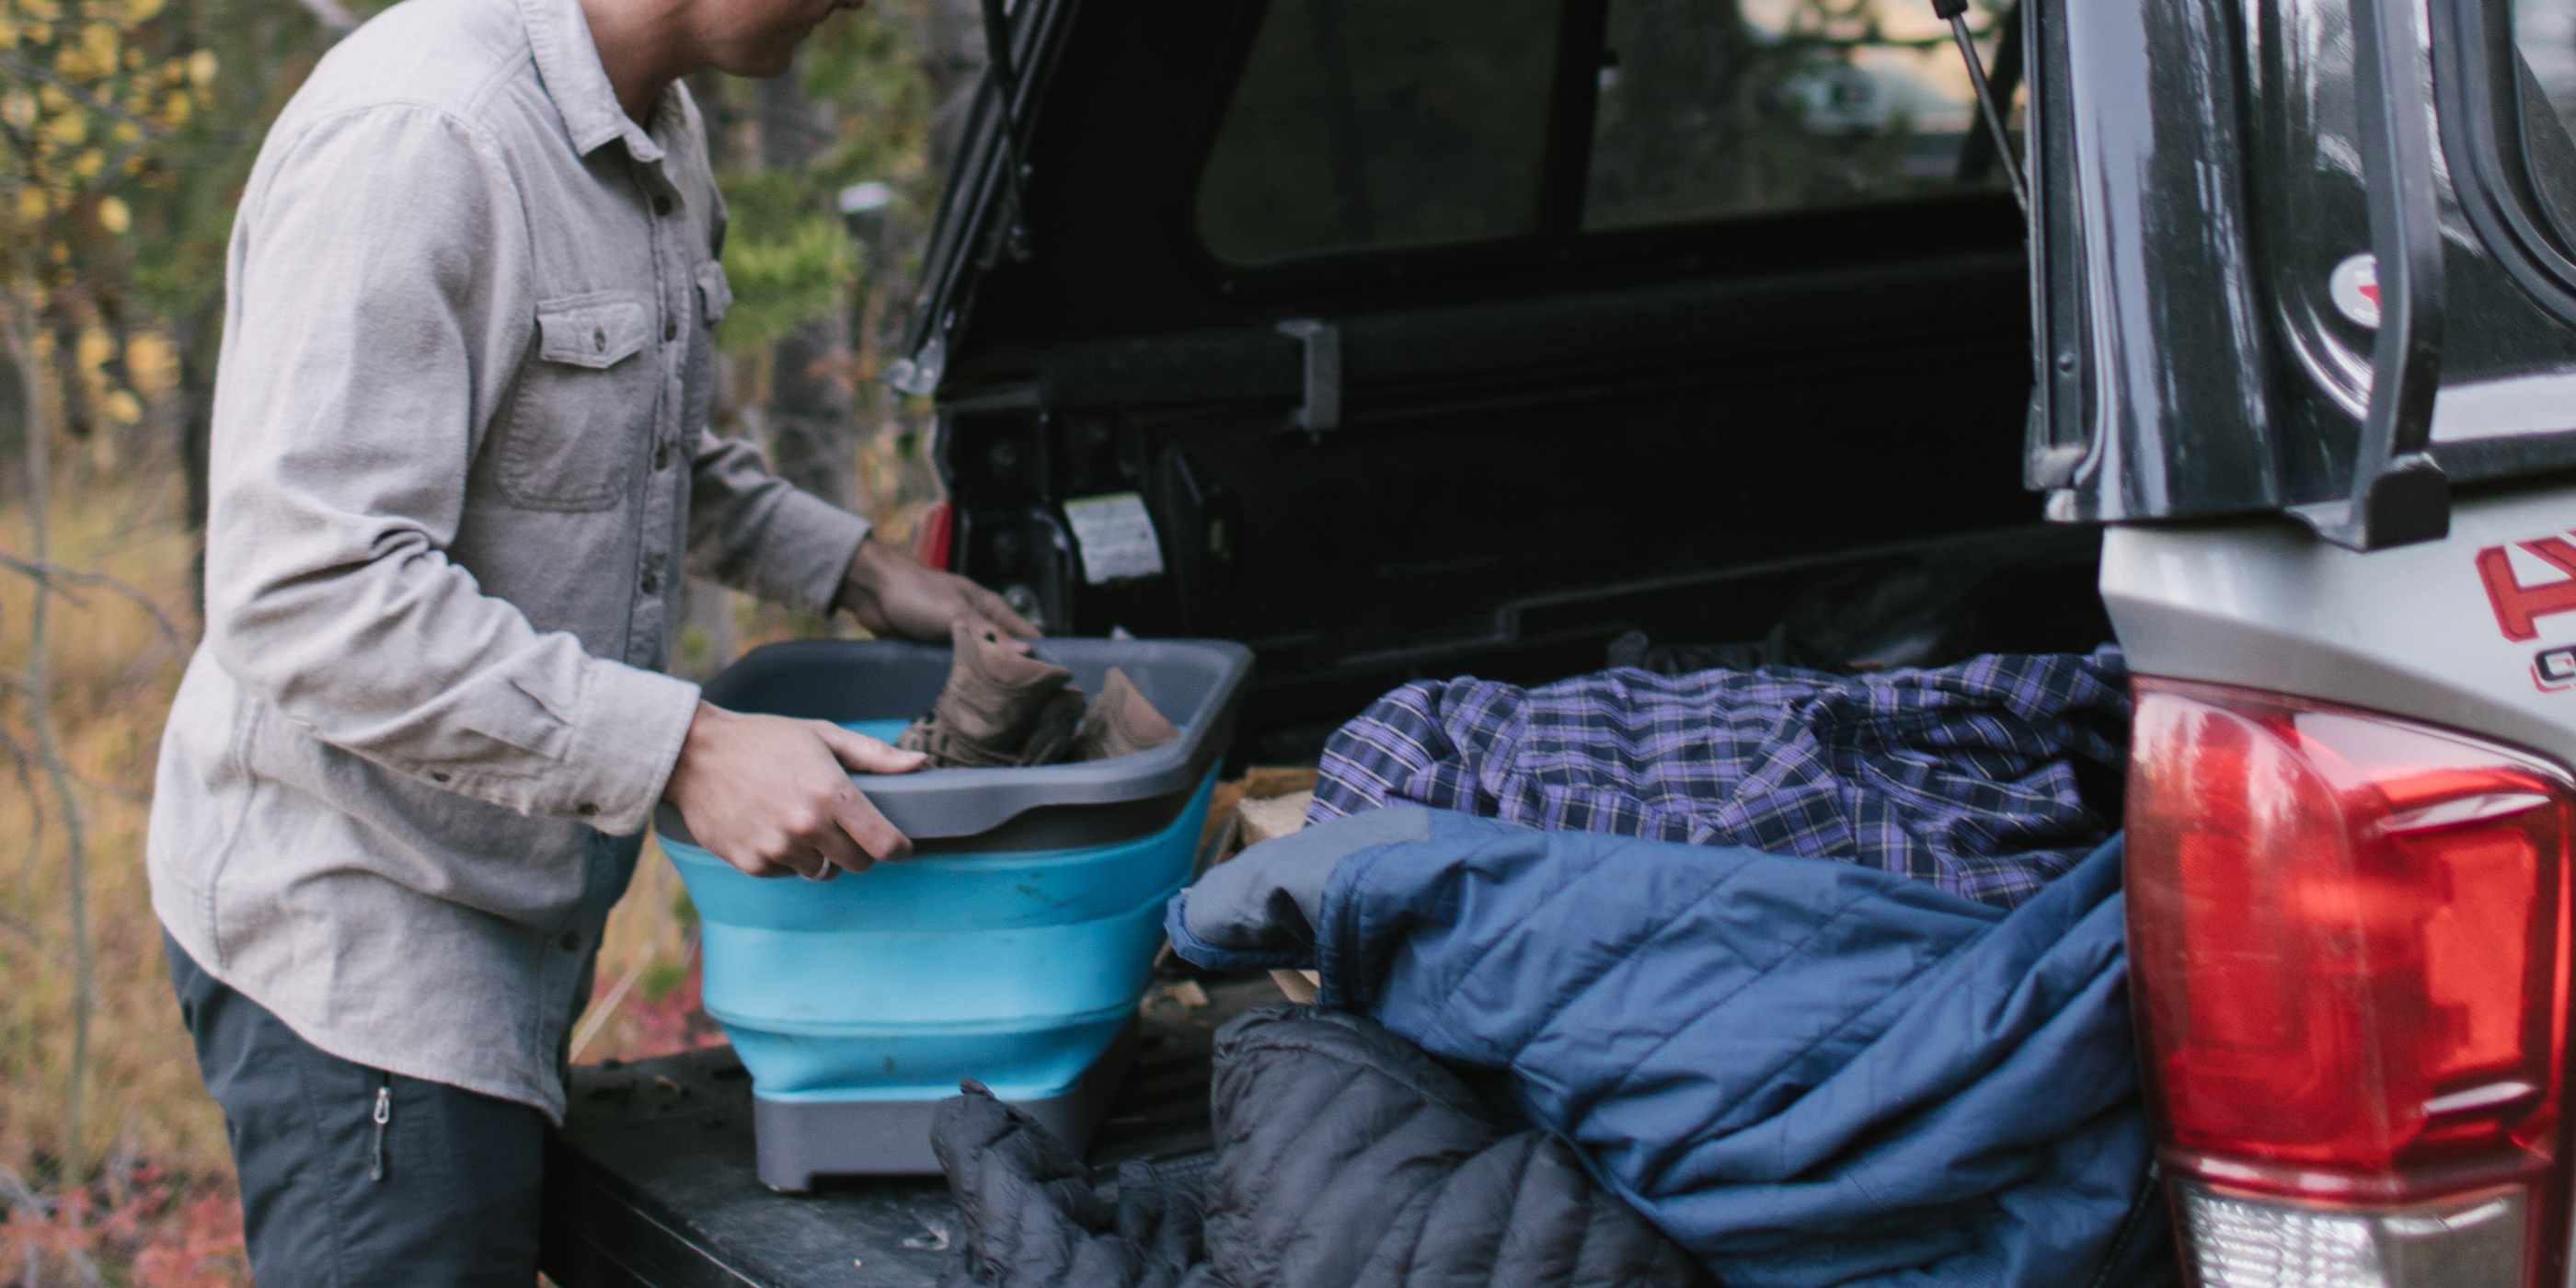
x: 23, y: 142
x: 20, y: 762
x: 45, y: 578
x: 47, y: 575
x: 21, y: 67
x: 127, y: 795
x: 16, y: 1193
x: 38, y: 445
x: 22, y: 930
x: 331, y: 15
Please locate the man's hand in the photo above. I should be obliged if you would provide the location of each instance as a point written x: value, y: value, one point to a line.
x: 891, y: 594
x: 771, y: 795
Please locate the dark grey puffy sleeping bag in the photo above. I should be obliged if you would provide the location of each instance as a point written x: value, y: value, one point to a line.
x: 1343, y: 1157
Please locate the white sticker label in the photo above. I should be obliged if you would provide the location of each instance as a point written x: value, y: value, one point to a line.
x: 1116, y: 537
x: 2355, y: 288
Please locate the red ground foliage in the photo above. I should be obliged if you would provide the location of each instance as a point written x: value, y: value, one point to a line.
x: 154, y: 1231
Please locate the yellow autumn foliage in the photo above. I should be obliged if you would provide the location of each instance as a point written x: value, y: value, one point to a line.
x: 94, y: 347
x: 153, y: 361
x: 101, y: 91
x: 64, y: 128
x: 102, y: 44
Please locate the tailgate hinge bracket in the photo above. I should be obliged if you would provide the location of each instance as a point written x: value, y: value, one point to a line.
x: 1320, y: 408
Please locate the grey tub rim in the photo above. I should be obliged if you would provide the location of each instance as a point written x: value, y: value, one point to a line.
x: 1005, y: 810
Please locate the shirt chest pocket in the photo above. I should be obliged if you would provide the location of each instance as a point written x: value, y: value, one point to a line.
x: 583, y: 407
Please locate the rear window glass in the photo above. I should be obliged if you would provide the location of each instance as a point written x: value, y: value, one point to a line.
x: 1361, y: 126
x: 1712, y: 109
x: 2544, y: 33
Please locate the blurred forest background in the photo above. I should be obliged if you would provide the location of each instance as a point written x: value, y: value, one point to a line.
x: 126, y: 128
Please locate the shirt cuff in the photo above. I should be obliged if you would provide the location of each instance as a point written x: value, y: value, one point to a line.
x: 624, y: 744
x: 806, y: 550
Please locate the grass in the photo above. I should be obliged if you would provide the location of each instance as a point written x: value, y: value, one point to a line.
x: 145, y: 1195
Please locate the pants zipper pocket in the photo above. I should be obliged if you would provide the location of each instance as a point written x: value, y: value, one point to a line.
x: 384, y: 1115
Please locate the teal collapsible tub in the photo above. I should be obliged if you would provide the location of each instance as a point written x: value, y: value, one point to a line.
x: 1014, y: 946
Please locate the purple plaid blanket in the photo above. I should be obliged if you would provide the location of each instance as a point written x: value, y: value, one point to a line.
x: 1965, y: 776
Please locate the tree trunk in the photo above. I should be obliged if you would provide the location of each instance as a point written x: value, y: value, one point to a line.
x: 20, y: 338
x: 812, y: 437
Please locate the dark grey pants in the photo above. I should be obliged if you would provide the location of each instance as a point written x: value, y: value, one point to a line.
x: 352, y: 1177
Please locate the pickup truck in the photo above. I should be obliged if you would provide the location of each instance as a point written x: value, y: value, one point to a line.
x: 1449, y: 337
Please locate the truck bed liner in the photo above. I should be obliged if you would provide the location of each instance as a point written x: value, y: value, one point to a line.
x: 651, y: 1181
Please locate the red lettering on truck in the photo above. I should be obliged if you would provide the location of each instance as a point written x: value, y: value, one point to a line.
x: 2518, y: 607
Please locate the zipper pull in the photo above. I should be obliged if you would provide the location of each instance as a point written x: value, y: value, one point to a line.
x: 384, y: 1114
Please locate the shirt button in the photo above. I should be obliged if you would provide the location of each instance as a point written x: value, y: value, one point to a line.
x: 571, y: 941
x: 661, y: 205
x: 670, y: 330
x: 652, y: 581
x: 661, y: 456
x: 586, y: 810
x: 599, y: 340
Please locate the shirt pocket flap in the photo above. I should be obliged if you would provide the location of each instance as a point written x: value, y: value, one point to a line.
x: 715, y: 294
x: 593, y: 332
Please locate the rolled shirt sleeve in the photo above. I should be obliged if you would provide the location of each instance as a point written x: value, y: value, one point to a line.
x: 383, y: 304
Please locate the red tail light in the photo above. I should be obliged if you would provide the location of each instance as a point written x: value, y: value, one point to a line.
x: 2349, y: 944
x: 934, y: 537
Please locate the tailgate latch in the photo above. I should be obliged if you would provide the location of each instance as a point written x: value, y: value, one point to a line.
x: 1321, y: 341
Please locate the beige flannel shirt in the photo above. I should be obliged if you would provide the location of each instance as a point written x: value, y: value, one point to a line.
x: 460, y: 450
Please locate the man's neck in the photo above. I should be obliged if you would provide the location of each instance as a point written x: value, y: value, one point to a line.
x: 636, y: 51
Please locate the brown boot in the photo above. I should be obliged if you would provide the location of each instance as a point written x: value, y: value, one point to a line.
x: 996, y: 697
x: 1120, y: 721
x: 1050, y: 741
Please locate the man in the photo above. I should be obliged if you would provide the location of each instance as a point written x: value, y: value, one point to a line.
x: 459, y: 448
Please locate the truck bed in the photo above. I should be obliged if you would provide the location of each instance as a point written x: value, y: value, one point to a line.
x: 651, y: 1180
